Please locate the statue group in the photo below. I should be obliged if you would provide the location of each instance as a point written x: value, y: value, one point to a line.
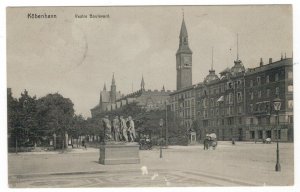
x: 119, y: 129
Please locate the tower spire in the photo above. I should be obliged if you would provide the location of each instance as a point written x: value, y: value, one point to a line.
x: 183, y: 39
x: 104, y: 87
x: 142, y: 83
x: 113, y: 90
x: 113, y: 82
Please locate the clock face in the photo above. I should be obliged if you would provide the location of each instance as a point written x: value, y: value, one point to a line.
x: 187, y: 61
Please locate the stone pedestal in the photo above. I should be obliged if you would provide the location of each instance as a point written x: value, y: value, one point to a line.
x: 119, y: 153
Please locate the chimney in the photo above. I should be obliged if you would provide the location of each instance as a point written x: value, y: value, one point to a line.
x: 270, y: 60
x: 261, y: 63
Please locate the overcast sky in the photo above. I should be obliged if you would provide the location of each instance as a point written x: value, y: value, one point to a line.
x: 75, y: 57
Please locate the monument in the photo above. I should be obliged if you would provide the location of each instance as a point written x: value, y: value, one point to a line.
x: 115, y: 147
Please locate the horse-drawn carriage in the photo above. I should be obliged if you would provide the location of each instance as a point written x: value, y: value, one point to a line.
x: 211, y: 141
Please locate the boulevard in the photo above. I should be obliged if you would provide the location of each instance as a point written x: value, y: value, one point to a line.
x: 242, y: 164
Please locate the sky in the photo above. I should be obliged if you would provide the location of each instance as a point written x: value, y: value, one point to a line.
x: 75, y: 57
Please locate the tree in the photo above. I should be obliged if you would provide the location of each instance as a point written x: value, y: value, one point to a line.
x: 198, y: 129
x: 13, y: 121
x: 78, y: 127
x: 177, y: 132
x: 22, y: 120
x: 28, y: 119
x: 55, y: 114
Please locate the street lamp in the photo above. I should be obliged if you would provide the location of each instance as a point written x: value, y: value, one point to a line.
x: 277, y: 105
x: 161, y: 123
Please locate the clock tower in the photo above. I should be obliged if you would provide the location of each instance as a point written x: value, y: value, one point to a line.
x: 183, y: 60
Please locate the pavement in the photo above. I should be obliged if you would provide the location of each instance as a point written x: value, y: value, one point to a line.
x: 243, y: 164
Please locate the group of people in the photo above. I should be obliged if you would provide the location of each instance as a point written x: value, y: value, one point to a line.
x: 119, y: 129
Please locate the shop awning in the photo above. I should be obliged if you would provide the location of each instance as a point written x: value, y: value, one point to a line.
x: 221, y: 99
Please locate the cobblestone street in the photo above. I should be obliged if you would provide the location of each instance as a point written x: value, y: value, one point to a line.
x: 243, y: 164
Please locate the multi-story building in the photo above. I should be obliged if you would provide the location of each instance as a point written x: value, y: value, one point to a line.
x: 264, y: 84
x: 239, y: 103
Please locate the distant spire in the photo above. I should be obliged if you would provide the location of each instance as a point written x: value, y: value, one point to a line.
x: 182, y: 13
x: 142, y: 83
x: 104, y: 88
x: 113, y: 82
x: 285, y: 55
x: 281, y: 58
x: 163, y: 88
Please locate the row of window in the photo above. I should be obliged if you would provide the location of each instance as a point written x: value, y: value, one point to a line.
x: 185, y: 104
x: 203, y: 103
x: 265, y: 107
x: 268, y: 134
x: 185, y: 95
x: 239, y: 121
x: 218, y: 122
x: 267, y: 80
x: 217, y: 112
x: 187, y: 113
x: 220, y: 88
x: 268, y: 92
x: 260, y: 107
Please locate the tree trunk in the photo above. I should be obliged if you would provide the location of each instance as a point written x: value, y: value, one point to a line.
x: 16, y: 145
x: 63, y: 143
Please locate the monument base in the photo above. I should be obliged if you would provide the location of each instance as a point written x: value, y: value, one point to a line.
x: 119, y: 153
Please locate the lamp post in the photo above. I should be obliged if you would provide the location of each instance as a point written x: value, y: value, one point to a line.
x: 277, y: 105
x: 166, y: 124
x: 161, y: 123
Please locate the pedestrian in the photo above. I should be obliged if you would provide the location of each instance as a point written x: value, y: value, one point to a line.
x: 205, y: 143
x: 83, y: 144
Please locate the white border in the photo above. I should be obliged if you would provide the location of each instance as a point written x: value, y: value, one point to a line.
x: 3, y: 132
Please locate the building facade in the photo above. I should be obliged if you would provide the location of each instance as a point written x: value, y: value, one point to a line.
x: 264, y: 84
x: 238, y: 104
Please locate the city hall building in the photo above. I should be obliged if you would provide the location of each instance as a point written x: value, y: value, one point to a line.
x: 237, y: 104
x: 113, y: 100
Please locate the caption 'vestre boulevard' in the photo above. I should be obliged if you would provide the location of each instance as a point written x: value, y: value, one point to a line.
x: 236, y: 123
